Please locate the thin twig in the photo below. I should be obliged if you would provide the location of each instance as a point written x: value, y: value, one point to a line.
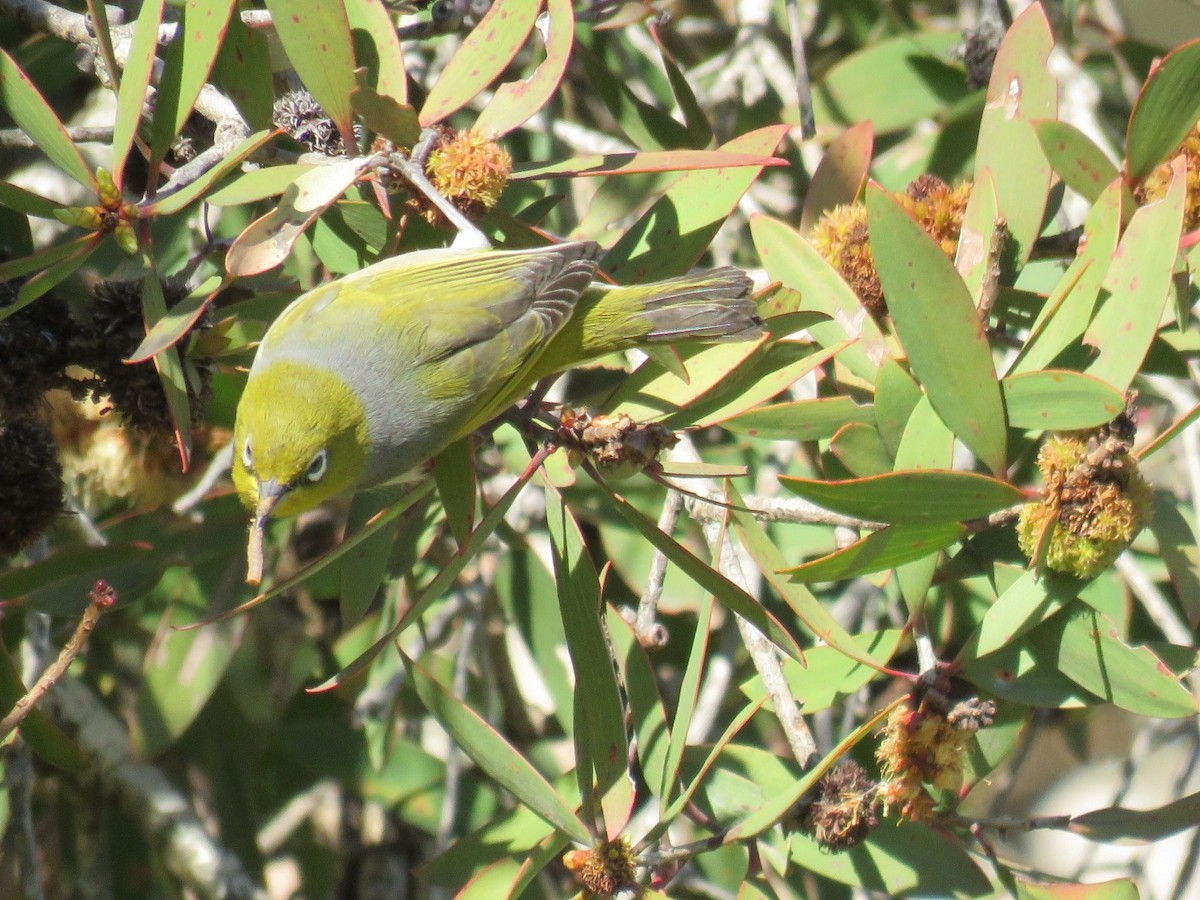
x: 102, y: 598
x: 15, y: 139
x: 650, y: 632
x: 808, y: 125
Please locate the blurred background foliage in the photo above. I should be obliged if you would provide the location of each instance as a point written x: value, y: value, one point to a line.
x: 934, y: 637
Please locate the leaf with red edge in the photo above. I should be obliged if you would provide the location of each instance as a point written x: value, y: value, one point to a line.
x: 377, y: 47
x: 493, y: 754
x: 1165, y: 111
x: 1021, y: 90
x: 174, y: 324
x: 840, y: 175
x: 1139, y: 284
x: 34, y: 116
x: 268, y: 241
x: 671, y: 236
x: 645, y: 161
x: 135, y: 79
x: 884, y: 549
x: 189, y: 193
x: 517, y: 101
x: 483, y: 56
x: 1075, y: 157
x: 936, y: 320
x: 913, y: 497
x: 186, y: 67
x: 317, y: 39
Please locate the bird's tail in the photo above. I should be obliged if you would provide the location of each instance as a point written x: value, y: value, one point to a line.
x: 707, y: 306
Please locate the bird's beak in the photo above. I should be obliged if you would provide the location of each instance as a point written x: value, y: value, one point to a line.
x: 269, y: 494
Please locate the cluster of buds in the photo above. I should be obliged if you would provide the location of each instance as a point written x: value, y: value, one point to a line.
x: 841, y: 234
x: 1094, y: 503
x: 615, y: 444
x: 300, y: 116
x: 110, y: 215
x: 842, y: 809
x: 923, y: 747
x: 605, y: 869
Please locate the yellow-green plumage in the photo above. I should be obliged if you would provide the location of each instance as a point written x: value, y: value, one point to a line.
x: 376, y: 372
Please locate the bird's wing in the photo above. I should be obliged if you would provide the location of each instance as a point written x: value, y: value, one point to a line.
x: 483, y: 317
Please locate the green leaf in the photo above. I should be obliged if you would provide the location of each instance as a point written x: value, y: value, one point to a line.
x: 454, y: 473
x: 1021, y: 90
x: 34, y: 116
x: 38, y: 730
x: 47, y: 258
x: 517, y: 101
x: 1165, y: 111
x: 913, y: 497
x: 800, y: 420
x: 494, y: 755
x: 316, y: 37
x: 602, y: 164
x: 1117, y: 889
x: 829, y: 675
x: 173, y: 202
x: 171, y: 326
x: 377, y: 48
x: 1091, y: 654
x: 1075, y: 158
x: 1059, y: 400
x: 861, y: 450
x: 939, y: 326
x: 1138, y: 284
x: 185, y: 667
x: 647, y: 126
x: 364, y: 568
x: 884, y: 549
x: 648, y: 714
x: 27, y: 202
x: 135, y: 79
x: 59, y: 585
x: 1124, y: 825
x: 981, y: 222
x: 840, y: 175
x: 257, y: 184
x: 482, y: 57
x: 893, y: 84
x: 268, y: 241
x: 790, y: 259
x: 186, y: 65
x: 1068, y: 310
x: 670, y: 237
x: 729, y: 594
x: 601, y: 744
x: 810, y: 611
x: 896, y: 397
x: 888, y: 863
x: 169, y: 364
x: 243, y: 73
x: 1026, y: 603
x: 385, y: 115
x: 1177, y: 546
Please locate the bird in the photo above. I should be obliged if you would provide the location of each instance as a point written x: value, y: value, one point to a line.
x: 362, y: 379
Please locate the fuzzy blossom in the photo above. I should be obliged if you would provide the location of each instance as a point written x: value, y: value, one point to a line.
x: 1093, y: 505
x: 605, y: 869
x: 1154, y: 186
x: 925, y: 747
x: 842, y: 238
x: 470, y: 170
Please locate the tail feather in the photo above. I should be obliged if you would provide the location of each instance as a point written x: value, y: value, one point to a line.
x: 708, y: 306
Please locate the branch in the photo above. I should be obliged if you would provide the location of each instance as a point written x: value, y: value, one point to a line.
x: 102, y: 598
x: 163, y: 813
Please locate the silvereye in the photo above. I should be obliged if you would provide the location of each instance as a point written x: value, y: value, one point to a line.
x: 364, y: 378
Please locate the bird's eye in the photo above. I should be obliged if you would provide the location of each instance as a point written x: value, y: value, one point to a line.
x: 247, y: 455
x: 317, y: 468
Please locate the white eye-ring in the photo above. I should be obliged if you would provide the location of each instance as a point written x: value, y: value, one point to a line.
x: 247, y: 456
x: 318, y: 467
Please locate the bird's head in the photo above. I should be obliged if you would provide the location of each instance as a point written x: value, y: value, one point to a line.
x: 300, y: 438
